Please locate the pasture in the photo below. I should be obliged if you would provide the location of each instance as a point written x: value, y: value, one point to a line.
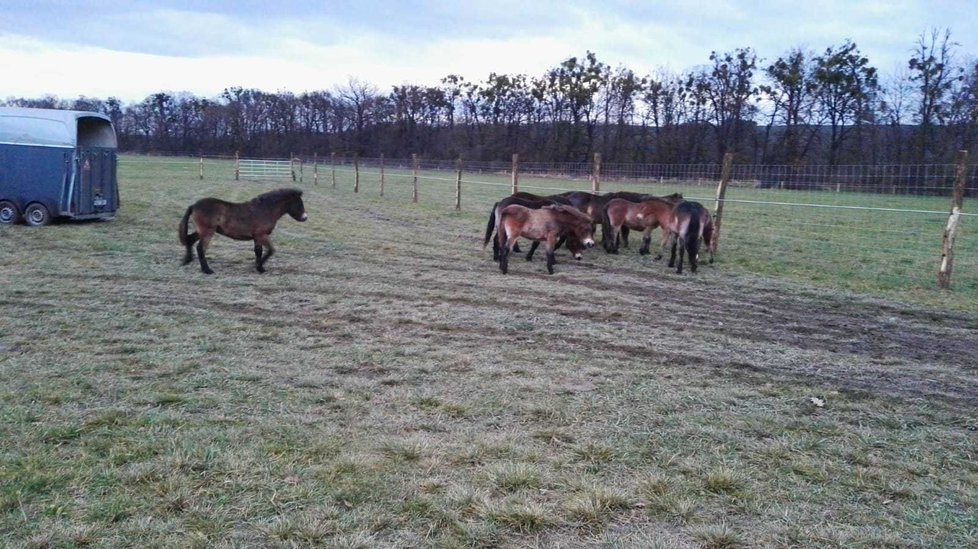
x: 384, y: 385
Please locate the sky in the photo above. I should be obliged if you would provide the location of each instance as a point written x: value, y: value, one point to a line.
x: 133, y: 48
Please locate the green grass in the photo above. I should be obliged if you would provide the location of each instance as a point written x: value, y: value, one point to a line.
x: 383, y: 385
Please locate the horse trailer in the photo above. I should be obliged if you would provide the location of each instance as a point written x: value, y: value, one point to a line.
x: 56, y: 164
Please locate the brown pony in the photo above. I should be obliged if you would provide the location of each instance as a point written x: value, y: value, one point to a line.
x: 252, y: 220
x: 534, y: 202
x: 544, y: 224
x: 594, y: 205
x: 643, y: 216
x: 688, y: 223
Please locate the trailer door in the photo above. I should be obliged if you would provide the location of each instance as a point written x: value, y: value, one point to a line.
x: 96, y: 189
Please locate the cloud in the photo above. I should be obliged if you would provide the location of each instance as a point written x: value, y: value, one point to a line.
x: 132, y: 49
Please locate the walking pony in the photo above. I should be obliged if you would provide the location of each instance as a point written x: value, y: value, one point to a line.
x: 547, y: 224
x: 252, y: 220
x: 687, y: 224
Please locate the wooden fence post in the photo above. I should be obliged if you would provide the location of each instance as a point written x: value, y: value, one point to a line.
x: 953, y: 220
x: 381, y: 174
x: 516, y: 161
x: 292, y: 165
x: 356, y: 173
x: 596, y: 174
x: 201, y: 167
x: 315, y: 168
x: 237, y: 165
x: 414, y: 170
x: 332, y: 162
x: 725, y: 173
x: 458, y: 184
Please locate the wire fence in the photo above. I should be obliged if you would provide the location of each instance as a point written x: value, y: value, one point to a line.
x: 882, y: 225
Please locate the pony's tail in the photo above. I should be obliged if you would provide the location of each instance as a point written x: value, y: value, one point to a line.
x: 501, y: 236
x: 182, y: 231
x: 693, y: 238
x: 607, y: 235
x: 491, y: 225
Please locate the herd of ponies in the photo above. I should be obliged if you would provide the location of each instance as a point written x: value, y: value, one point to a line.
x: 568, y: 218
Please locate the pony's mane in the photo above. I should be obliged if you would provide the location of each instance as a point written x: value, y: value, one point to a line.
x: 570, y: 210
x: 277, y: 196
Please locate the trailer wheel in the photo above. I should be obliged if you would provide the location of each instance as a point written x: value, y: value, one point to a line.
x: 8, y: 212
x: 36, y: 215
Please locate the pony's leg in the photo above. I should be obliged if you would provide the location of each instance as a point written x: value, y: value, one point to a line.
x: 551, y: 240
x: 533, y: 249
x: 262, y: 241
x: 495, y: 249
x: 504, y: 259
x: 560, y: 242
x: 672, y: 255
x: 189, y: 256
x: 663, y: 243
x: 201, y: 245
x: 646, y: 242
x: 611, y: 242
x: 681, y: 242
x: 708, y: 242
x: 624, y: 236
x: 258, y: 251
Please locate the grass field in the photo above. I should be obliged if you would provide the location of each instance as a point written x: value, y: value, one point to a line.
x: 383, y: 385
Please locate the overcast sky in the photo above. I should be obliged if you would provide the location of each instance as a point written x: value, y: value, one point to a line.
x: 130, y: 49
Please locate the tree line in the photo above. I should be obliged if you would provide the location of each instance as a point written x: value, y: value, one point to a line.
x: 805, y: 107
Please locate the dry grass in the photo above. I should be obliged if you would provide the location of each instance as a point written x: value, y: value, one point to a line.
x: 383, y: 385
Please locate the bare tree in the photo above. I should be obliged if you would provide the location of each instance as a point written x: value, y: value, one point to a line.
x: 846, y: 85
x: 934, y: 73
x: 792, y: 96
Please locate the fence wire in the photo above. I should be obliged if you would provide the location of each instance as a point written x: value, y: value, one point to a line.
x: 880, y: 224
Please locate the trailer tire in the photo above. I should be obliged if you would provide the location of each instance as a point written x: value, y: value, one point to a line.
x: 8, y: 212
x: 37, y: 215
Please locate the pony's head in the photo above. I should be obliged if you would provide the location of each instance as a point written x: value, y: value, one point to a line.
x: 296, y: 209
x: 581, y: 228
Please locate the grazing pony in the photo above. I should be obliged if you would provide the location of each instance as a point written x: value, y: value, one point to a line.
x: 543, y: 224
x: 688, y: 223
x: 643, y: 216
x: 534, y: 202
x: 595, y: 204
x: 252, y: 220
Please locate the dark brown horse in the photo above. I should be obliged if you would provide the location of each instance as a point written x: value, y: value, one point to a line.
x: 547, y: 224
x: 642, y: 215
x: 687, y: 224
x: 533, y: 202
x: 252, y: 220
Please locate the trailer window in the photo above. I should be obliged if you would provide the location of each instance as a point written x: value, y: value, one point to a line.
x: 95, y: 132
x: 25, y: 130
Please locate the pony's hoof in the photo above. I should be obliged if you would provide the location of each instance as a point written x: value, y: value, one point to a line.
x: 207, y: 271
